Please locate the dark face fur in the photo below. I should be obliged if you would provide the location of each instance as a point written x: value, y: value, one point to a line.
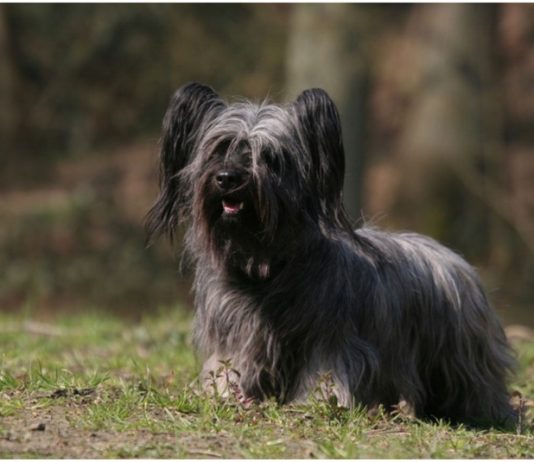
x: 248, y: 200
x: 251, y: 180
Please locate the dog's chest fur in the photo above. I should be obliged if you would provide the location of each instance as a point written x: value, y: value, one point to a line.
x: 258, y: 324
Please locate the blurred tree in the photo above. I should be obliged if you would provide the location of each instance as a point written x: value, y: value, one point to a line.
x: 327, y: 49
x: 449, y: 139
x: 7, y: 107
x: 516, y: 39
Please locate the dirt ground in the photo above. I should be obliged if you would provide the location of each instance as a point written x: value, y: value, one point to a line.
x: 56, y: 431
x: 53, y: 432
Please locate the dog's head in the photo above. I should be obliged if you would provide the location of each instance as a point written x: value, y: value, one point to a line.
x: 250, y: 179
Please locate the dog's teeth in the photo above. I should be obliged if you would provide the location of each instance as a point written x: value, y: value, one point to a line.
x: 232, y: 208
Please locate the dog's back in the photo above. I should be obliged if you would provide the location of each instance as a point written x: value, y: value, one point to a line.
x: 440, y: 341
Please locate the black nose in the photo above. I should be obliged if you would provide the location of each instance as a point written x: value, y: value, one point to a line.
x: 228, y: 179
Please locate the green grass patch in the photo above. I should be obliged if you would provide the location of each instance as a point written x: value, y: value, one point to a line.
x: 93, y: 385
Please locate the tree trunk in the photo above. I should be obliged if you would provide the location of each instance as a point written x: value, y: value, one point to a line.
x: 448, y: 140
x: 6, y: 86
x: 323, y: 52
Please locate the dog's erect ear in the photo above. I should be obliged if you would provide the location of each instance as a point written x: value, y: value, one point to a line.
x: 191, y: 107
x: 320, y: 130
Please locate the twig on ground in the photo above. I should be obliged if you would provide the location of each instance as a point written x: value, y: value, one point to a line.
x: 199, y: 452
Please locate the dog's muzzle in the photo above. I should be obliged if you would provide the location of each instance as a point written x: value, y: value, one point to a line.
x: 229, y: 182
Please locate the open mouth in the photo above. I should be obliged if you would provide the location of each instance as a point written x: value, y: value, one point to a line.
x: 232, y: 207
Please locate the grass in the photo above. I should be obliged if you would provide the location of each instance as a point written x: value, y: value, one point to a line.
x: 94, y: 386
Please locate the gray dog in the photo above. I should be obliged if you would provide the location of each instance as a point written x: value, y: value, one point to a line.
x: 288, y: 291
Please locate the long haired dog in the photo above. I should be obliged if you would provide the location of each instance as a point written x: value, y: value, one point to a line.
x: 287, y: 290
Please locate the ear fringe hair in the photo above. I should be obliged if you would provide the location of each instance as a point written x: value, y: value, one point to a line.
x: 191, y: 107
x: 319, y: 128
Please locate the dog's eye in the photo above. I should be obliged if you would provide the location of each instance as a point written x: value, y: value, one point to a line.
x: 272, y: 161
x: 222, y: 148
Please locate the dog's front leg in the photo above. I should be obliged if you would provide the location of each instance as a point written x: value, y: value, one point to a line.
x: 219, y: 377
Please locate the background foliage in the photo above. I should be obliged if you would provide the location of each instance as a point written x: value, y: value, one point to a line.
x: 436, y: 103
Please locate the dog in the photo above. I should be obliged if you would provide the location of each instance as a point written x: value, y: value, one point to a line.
x: 287, y: 291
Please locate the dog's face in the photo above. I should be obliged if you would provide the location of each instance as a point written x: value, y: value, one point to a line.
x: 249, y: 179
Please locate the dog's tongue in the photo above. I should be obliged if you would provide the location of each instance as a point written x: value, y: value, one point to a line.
x: 232, y: 207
